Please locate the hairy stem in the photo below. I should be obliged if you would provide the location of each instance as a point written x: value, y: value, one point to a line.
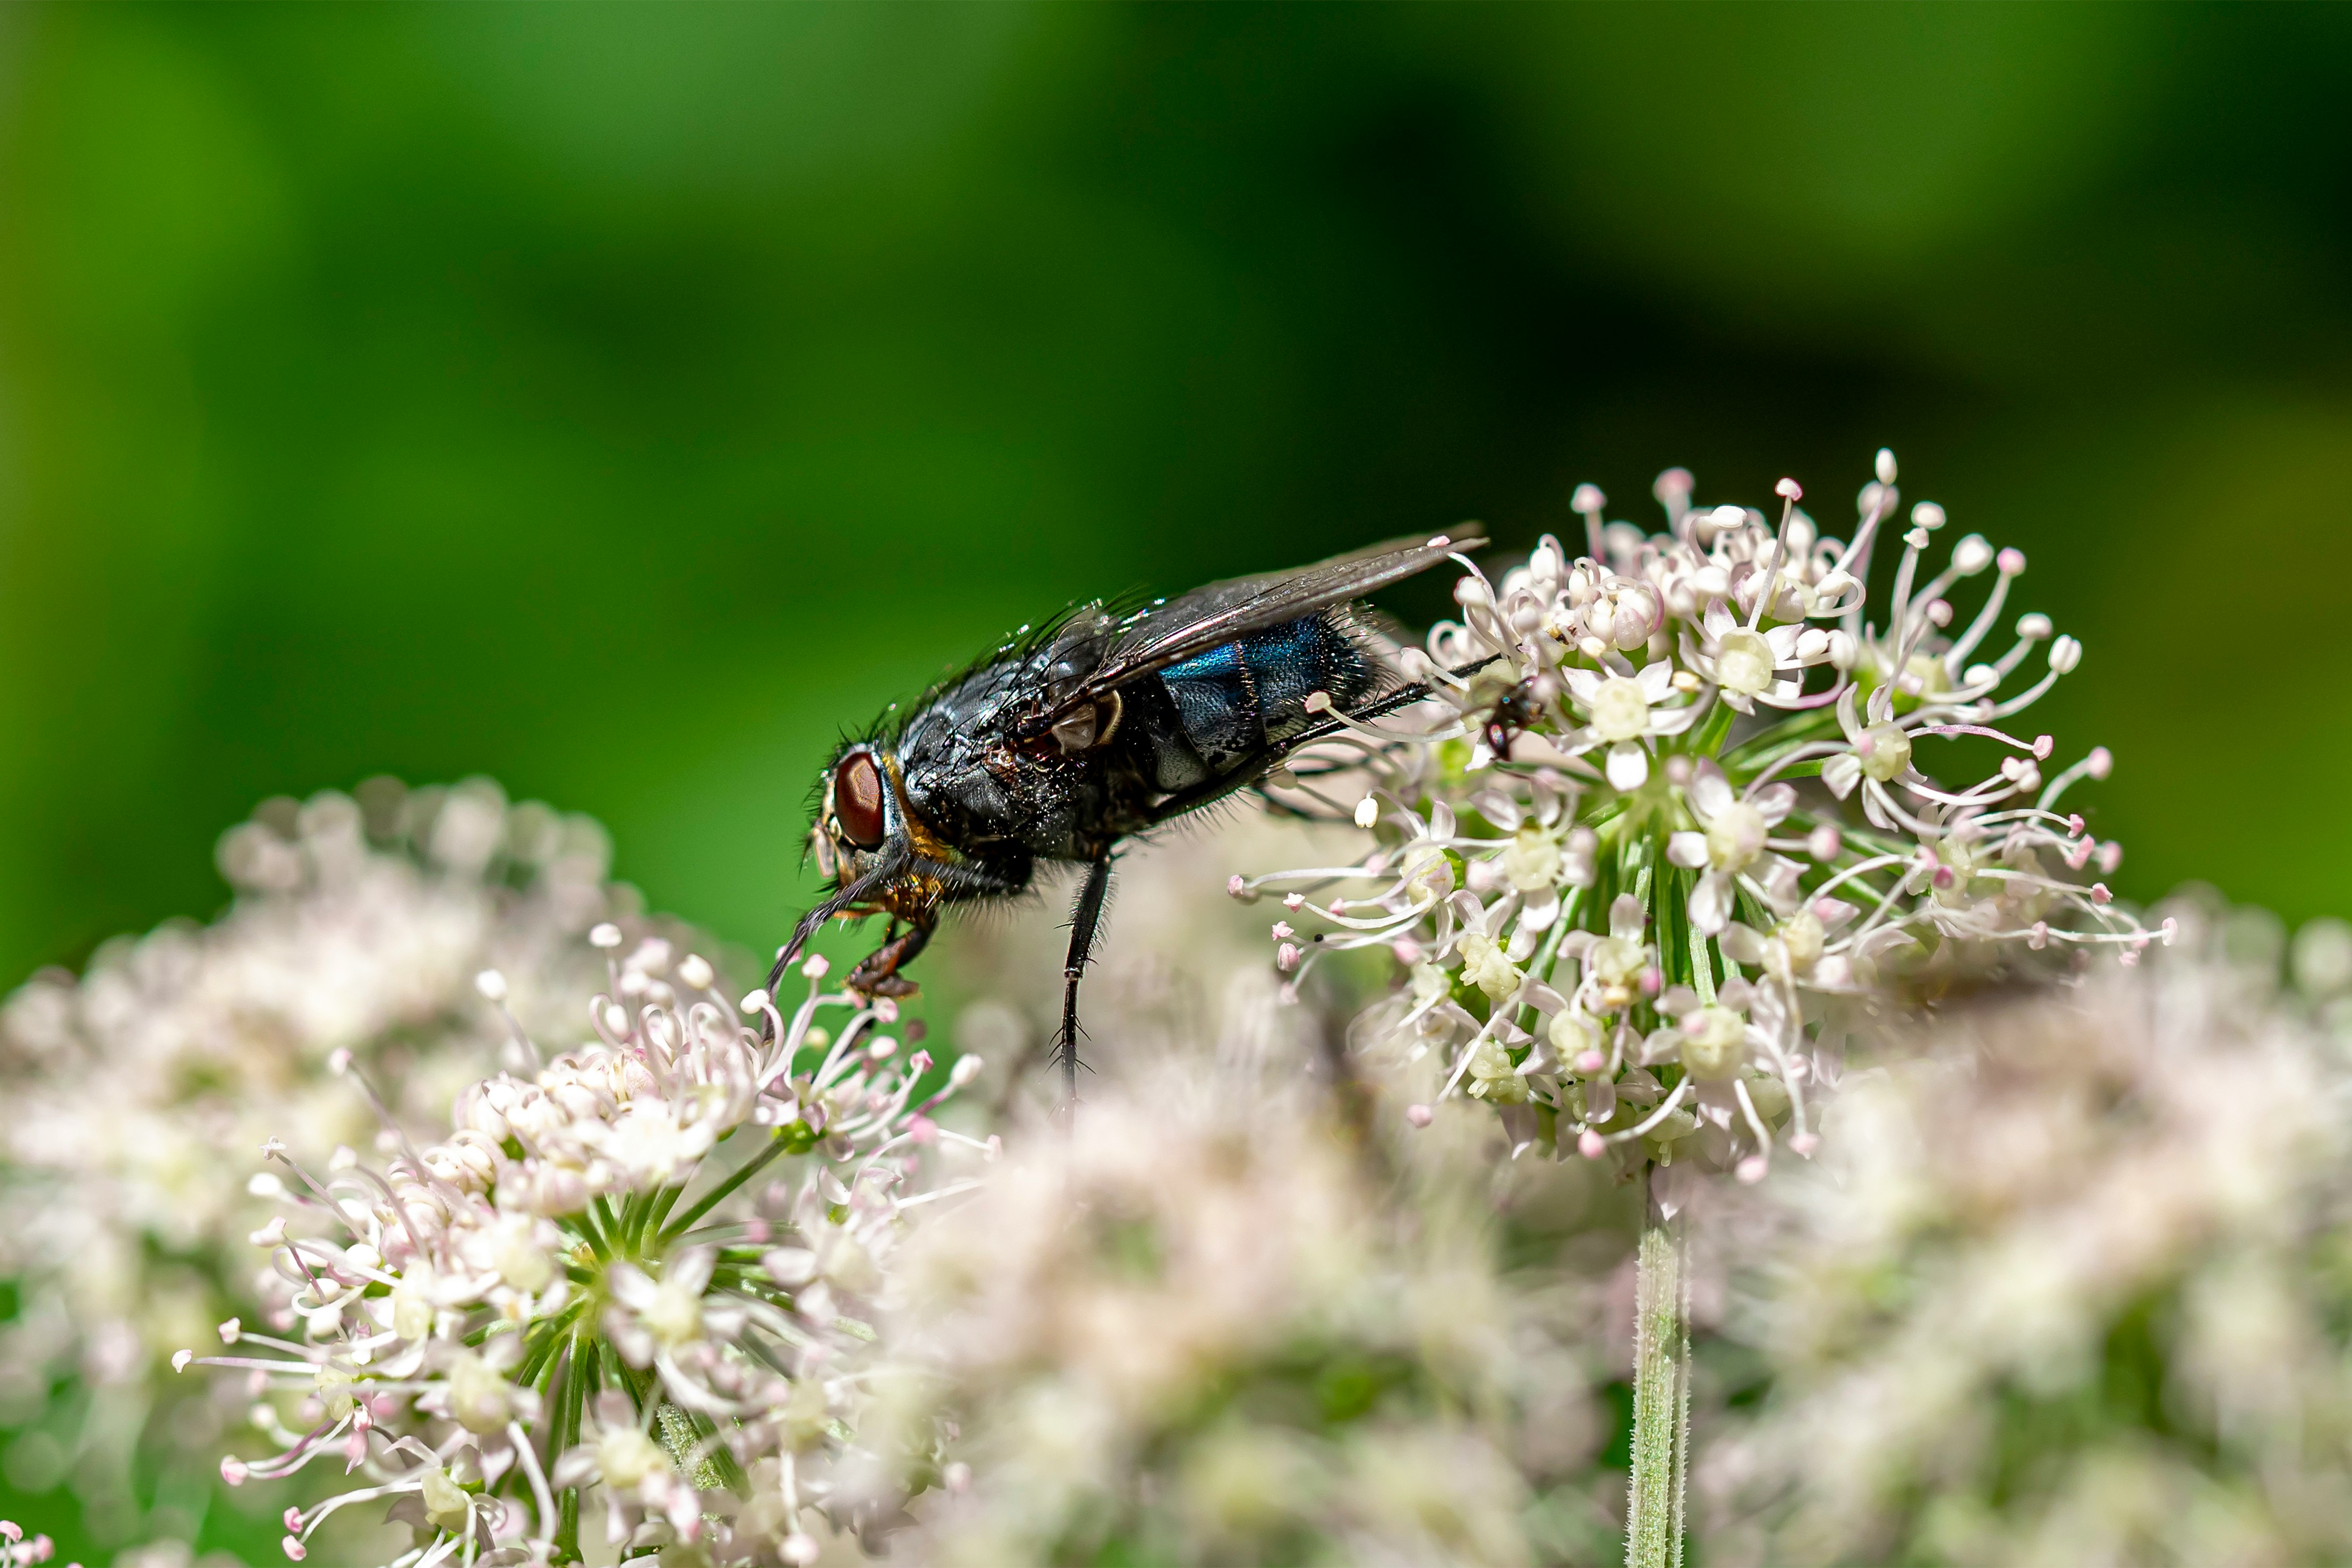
x: 1654, y: 1507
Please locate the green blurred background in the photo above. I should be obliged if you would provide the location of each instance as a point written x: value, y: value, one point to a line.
x: 619, y: 401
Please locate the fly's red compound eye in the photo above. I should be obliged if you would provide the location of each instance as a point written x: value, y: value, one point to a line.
x: 857, y: 800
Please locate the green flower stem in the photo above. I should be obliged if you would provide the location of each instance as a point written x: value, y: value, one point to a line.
x: 682, y: 1437
x: 1702, y: 970
x: 569, y: 1397
x: 776, y: 1145
x: 1654, y: 1507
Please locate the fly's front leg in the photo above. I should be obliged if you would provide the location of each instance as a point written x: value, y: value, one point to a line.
x: 1086, y: 919
x: 876, y: 973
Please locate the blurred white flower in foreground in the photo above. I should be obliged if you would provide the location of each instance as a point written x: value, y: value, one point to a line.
x: 135, y: 1095
x: 1211, y: 1325
x: 2076, y: 1286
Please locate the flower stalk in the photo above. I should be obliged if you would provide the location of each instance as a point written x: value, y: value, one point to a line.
x: 1661, y: 1448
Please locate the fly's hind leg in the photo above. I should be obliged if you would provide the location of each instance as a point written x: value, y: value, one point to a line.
x: 1086, y: 920
x: 876, y: 973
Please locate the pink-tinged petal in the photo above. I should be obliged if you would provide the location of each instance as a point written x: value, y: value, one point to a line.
x: 1675, y: 721
x: 1848, y: 720
x: 691, y: 1270
x: 1741, y: 944
x: 1582, y: 684
x: 1833, y: 912
x: 1886, y: 939
x: 1737, y: 703
x: 1781, y: 889
x: 1840, y: 774
x: 1782, y: 641
x: 1710, y: 792
x: 1671, y: 1188
x: 1627, y: 918
x: 1774, y: 802
x: 1499, y: 808
x: 1441, y: 821
x: 1687, y: 849
x: 1710, y: 903
x: 1717, y: 620
x: 1542, y: 908
x: 1660, y: 1045
x: 1658, y: 680
x: 629, y: 1286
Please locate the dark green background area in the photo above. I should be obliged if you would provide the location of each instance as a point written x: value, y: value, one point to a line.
x: 621, y: 401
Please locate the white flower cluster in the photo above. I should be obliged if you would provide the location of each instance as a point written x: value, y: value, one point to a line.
x: 1676, y: 813
x: 359, y: 924
x: 2074, y: 1286
x: 1201, y: 1328
x: 574, y: 1299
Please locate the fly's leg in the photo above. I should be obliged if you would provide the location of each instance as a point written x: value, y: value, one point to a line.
x: 1086, y: 919
x: 876, y: 973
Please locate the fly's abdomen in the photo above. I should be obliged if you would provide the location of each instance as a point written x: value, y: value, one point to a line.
x: 1226, y: 709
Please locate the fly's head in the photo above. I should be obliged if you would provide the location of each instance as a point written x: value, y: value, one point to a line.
x: 857, y: 816
x: 864, y: 828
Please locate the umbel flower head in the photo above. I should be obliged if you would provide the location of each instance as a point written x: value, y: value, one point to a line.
x: 574, y: 1300
x: 1677, y: 819
x: 359, y: 923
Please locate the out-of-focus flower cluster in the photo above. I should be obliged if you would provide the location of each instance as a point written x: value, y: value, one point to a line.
x: 575, y: 1302
x: 1211, y: 1326
x: 1678, y: 821
x: 2075, y: 1286
x: 135, y: 1094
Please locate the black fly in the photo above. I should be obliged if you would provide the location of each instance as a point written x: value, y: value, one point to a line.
x: 1099, y: 727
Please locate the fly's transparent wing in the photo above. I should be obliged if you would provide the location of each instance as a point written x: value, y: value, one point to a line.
x: 1209, y: 618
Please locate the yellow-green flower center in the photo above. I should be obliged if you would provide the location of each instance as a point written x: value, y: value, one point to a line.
x: 1744, y: 661
x: 1620, y: 710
